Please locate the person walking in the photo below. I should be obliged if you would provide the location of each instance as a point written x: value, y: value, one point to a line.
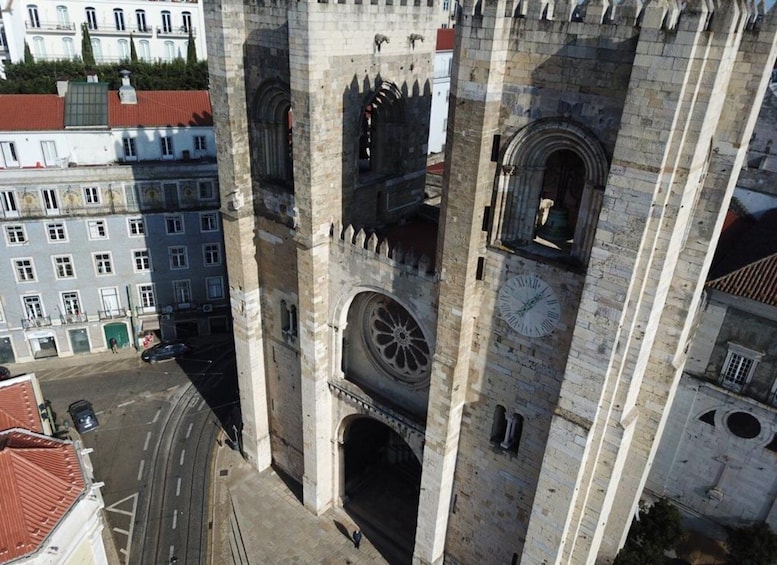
x: 357, y: 538
x: 114, y: 345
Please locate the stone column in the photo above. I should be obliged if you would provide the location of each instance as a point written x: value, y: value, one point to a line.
x: 225, y: 62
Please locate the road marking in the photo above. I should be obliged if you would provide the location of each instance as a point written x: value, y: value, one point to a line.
x: 148, y: 439
x: 183, y: 452
x: 140, y: 470
x: 131, y: 513
x: 201, y: 406
x: 175, y: 518
x: 156, y: 416
x: 178, y: 487
x: 189, y: 430
x: 172, y: 552
x: 123, y: 404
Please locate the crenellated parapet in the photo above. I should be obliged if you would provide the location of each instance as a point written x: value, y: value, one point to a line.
x: 371, y: 246
x: 659, y: 14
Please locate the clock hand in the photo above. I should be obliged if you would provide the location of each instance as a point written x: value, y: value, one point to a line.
x: 529, y: 304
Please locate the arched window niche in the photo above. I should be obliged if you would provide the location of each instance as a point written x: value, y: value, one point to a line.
x: 382, y: 132
x: 272, y: 129
x: 549, y: 190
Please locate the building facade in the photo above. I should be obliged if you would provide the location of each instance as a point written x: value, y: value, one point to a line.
x: 109, y: 231
x: 53, y: 30
x: 504, y: 373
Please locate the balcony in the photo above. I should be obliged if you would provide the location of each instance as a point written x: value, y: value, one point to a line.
x: 114, y: 314
x: 36, y: 322
x: 59, y: 28
x: 174, y: 31
x: 147, y: 31
x: 70, y: 319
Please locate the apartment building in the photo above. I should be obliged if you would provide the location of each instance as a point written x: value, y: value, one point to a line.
x: 53, y: 30
x: 110, y: 217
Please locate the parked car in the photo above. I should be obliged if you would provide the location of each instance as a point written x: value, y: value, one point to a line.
x: 4, y: 373
x: 83, y: 416
x: 166, y: 350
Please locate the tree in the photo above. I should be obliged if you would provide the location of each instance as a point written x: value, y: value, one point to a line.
x: 133, y: 51
x: 28, y: 58
x: 87, y: 53
x: 658, y: 529
x: 753, y: 545
x: 191, y: 49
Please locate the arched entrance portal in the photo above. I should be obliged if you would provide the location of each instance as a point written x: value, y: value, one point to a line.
x: 382, y: 484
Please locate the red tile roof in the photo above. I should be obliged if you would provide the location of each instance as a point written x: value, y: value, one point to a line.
x: 40, y: 479
x: 445, y: 39
x: 31, y: 112
x: 161, y: 108
x: 26, y: 112
x: 757, y: 281
x: 18, y: 406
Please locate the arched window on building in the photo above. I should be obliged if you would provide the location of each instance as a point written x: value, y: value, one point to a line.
x: 169, y: 51
x: 549, y: 191
x: 68, y: 47
x: 506, y: 432
x: 38, y: 48
x: 382, y: 143
x: 272, y: 133
x: 97, y: 49
x: 63, y: 18
x: 124, y: 50
x: 144, y: 50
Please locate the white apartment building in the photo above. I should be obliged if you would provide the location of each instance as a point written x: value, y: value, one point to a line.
x: 53, y: 29
x: 438, y: 117
x: 109, y: 212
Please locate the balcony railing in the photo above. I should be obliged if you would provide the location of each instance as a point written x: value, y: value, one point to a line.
x: 112, y: 314
x: 36, y: 322
x: 146, y: 31
x: 80, y: 318
x: 175, y: 31
x: 52, y: 27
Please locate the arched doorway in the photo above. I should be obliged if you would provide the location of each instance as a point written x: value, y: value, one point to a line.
x: 381, y: 487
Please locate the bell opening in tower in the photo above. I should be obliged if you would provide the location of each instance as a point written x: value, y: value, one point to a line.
x: 562, y: 191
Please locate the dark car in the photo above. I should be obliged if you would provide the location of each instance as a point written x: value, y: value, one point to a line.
x: 166, y: 350
x: 4, y: 373
x: 83, y: 416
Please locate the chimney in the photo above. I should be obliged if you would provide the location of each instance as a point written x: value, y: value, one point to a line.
x: 62, y: 88
x: 127, y: 94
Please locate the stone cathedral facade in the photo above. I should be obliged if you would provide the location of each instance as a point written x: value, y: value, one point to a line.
x: 495, y: 370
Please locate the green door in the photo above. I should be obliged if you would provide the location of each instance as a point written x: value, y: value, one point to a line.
x: 118, y: 332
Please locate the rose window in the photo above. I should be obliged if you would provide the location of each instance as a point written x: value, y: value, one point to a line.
x: 395, y: 340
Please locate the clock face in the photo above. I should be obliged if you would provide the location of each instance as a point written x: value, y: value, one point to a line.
x: 529, y: 305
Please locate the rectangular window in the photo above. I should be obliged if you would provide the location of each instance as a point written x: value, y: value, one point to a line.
x: 182, y: 291
x: 166, y: 143
x: 33, y: 307
x: 199, y: 143
x: 174, y: 224
x: 209, y: 221
x: 71, y: 306
x: 50, y: 156
x: 118, y: 19
x: 92, y: 195
x: 214, y: 287
x: 103, y: 264
x: 206, y: 190
x: 32, y: 12
x: 178, y: 258
x: 739, y: 367
x: 8, y: 150
x: 211, y: 254
x: 136, y: 227
x: 140, y: 18
x: 91, y: 18
x: 15, y: 234
x: 50, y: 201
x: 186, y: 18
x: 167, y: 22
x: 8, y: 200
x: 130, y: 149
x: 110, y: 301
x: 142, y: 260
x: 56, y: 232
x: 63, y: 267
x: 146, y: 295
x: 25, y: 270
x: 97, y: 229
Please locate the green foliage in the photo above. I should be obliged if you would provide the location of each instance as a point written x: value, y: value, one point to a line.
x: 191, y: 50
x: 86, y: 46
x: 753, y: 545
x: 658, y: 529
x: 41, y: 77
x: 133, y: 51
x: 28, y: 58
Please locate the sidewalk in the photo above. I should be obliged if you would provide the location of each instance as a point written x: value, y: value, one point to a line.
x: 257, y: 518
